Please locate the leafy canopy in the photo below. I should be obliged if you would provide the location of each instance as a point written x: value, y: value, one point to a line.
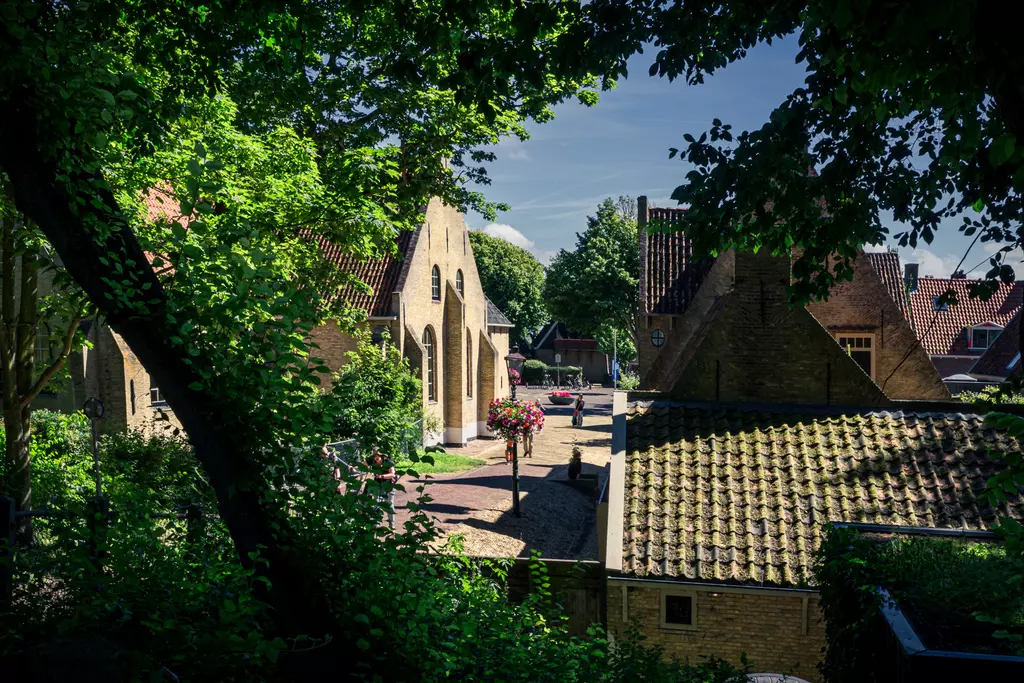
x: 910, y: 109
x: 596, y: 285
x: 513, y: 279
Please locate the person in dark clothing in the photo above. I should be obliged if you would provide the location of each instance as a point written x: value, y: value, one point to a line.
x: 580, y: 403
x: 381, y: 483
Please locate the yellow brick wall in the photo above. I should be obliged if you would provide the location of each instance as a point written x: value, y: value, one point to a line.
x: 767, y: 628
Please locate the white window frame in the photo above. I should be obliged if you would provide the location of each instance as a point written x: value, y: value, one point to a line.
x: 156, y: 399
x: 678, y: 592
x: 862, y: 335
x: 988, y: 327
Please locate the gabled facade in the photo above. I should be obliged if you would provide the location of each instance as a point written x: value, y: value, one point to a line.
x: 555, y: 339
x: 956, y: 335
x: 714, y: 327
x: 430, y: 300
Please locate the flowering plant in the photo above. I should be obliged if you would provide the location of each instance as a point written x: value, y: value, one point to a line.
x: 563, y: 394
x: 511, y: 417
x: 513, y: 377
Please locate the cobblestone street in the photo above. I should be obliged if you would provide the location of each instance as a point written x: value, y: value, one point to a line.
x: 557, y: 520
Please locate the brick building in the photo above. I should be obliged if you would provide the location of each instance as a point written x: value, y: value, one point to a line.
x: 680, y: 350
x: 430, y: 300
x: 956, y: 335
x: 556, y: 339
x: 764, y: 430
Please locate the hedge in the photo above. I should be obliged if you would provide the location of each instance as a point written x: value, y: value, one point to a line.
x: 534, y: 372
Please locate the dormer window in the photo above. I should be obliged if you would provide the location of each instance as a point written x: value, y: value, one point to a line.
x: 982, y: 336
x: 938, y: 305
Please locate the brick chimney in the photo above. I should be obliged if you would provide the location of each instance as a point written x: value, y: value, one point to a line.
x: 910, y: 271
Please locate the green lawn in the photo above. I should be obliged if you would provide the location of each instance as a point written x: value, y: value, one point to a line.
x: 444, y: 463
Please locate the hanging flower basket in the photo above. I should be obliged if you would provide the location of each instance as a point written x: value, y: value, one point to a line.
x: 511, y: 418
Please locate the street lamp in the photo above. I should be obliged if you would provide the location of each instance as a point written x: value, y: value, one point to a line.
x: 93, y: 410
x: 514, y: 361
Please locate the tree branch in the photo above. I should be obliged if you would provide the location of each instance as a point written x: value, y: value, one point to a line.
x: 55, y: 366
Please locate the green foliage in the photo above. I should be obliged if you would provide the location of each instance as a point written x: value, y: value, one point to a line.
x: 443, y: 463
x: 379, y: 398
x: 890, y: 128
x: 596, y: 285
x: 949, y: 589
x: 629, y: 381
x: 534, y: 371
x: 992, y: 396
x: 513, y: 279
x: 620, y: 345
x: 61, y: 456
x: 165, y: 465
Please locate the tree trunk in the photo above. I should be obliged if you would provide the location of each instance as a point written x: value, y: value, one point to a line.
x: 69, y: 226
x: 19, y: 469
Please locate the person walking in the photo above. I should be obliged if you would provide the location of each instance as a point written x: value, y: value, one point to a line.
x: 381, y: 484
x: 578, y: 414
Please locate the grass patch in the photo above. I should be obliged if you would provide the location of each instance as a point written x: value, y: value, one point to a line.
x: 444, y: 463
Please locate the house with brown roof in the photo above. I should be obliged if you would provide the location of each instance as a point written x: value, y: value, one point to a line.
x: 427, y: 296
x: 722, y: 483
x: 429, y: 299
x: 681, y: 295
x: 956, y: 335
x: 556, y: 339
x: 1002, y: 358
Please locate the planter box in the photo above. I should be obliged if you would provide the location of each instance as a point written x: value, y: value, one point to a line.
x: 561, y: 400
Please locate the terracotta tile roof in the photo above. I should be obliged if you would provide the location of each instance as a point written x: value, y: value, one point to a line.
x: 948, y: 333
x: 496, y: 317
x: 887, y: 265
x: 383, y: 276
x: 729, y: 495
x: 671, y: 274
x: 996, y: 361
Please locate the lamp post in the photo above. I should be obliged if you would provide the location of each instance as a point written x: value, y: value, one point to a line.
x: 515, y: 361
x: 93, y: 410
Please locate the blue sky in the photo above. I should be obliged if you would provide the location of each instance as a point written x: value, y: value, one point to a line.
x: 557, y: 177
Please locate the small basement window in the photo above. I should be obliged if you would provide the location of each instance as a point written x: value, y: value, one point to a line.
x: 678, y: 610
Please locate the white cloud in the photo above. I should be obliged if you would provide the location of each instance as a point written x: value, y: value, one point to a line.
x: 931, y: 263
x: 875, y: 248
x: 509, y: 234
x: 512, y: 236
x: 520, y: 154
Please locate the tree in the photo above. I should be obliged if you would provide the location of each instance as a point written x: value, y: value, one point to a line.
x: 596, y: 285
x: 381, y: 106
x: 25, y: 316
x: 513, y: 279
x: 620, y: 344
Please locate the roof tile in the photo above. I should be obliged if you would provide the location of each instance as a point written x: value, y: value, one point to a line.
x: 671, y: 276
x: 730, y: 495
x: 887, y: 265
x: 996, y: 361
x: 945, y: 332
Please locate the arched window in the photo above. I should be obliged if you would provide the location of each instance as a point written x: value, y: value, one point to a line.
x: 428, y: 344
x: 469, y: 366
x: 131, y: 392
x: 460, y: 284
x: 435, y: 284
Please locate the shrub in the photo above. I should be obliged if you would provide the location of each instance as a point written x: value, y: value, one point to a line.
x: 534, y: 371
x: 61, y: 457
x: 629, y: 381
x: 163, y: 465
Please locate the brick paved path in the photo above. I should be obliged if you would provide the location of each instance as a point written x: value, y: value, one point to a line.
x: 557, y: 520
